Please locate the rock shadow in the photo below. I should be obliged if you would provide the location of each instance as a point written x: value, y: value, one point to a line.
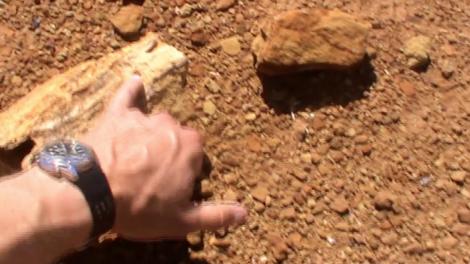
x: 11, y: 160
x: 135, y: 2
x: 126, y: 252
x: 316, y: 89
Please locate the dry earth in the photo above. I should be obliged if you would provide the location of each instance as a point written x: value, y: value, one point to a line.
x: 368, y: 165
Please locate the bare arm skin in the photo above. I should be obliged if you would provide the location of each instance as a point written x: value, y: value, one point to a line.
x: 41, y: 218
x: 151, y: 163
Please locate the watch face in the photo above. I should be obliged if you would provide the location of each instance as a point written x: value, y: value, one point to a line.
x: 65, y: 158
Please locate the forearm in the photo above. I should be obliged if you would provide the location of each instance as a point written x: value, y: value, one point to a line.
x: 41, y: 218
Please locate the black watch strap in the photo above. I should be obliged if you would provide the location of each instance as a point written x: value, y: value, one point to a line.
x: 94, y: 186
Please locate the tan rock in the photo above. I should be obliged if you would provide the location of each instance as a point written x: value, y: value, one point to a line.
x: 209, y: 107
x: 417, y: 51
x: 128, y: 20
x: 389, y: 239
x: 6, y: 32
x: 460, y: 229
x: 206, y: 189
x: 414, y: 248
x: 301, y: 40
x: 288, y: 213
x: 458, y: 176
x: 407, y: 87
x: 223, y: 5
x: 340, y: 205
x: 195, y: 239
x: 260, y: 193
x: 464, y: 216
x: 231, y: 45
x: 449, y: 242
x: 16, y: 81
x: 230, y: 195
x: 69, y: 103
x: 384, y: 200
x: 295, y: 240
x: 6, y: 37
x: 220, y: 242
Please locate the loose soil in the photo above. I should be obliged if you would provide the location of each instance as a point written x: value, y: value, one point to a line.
x: 371, y: 165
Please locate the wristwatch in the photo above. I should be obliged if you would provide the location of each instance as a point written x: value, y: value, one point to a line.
x: 73, y: 161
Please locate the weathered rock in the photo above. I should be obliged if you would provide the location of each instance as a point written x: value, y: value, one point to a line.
x: 340, y: 205
x: 199, y: 38
x: 16, y: 80
x: 206, y: 189
x: 250, y: 117
x: 464, y: 216
x: 319, y: 208
x: 128, y: 20
x: 294, y: 240
x: 212, y: 86
x: 198, y: 256
x: 447, y: 186
x: 221, y: 232
x: 414, y: 248
x: 259, y: 207
x: 407, y: 87
x: 230, y: 178
x: 384, y: 200
x: 220, y: 242
x: 223, y: 5
x: 306, y: 158
x: 230, y: 195
x: 447, y: 68
x: 460, y: 229
x: 6, y: 36
x: 69, y: 103
x: 186, y: 10
x: 458, y: 176
x: 449, y: 242
x: 231, y: 45
x: 278, y: 245
x: 260, y: 193
x: 417, y: 51
x: 195, y: 239
x: 209, y: 107
x: 288, y: 213
x: 343, y: 226
x: 197, y: 69
x: 389, y: 239
x: 301, y: 40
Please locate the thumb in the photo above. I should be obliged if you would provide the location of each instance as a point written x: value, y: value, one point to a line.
x: 215, y: 215
x: 127, y: 94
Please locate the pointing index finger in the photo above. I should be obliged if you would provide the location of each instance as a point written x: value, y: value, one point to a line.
x: 127, y: 94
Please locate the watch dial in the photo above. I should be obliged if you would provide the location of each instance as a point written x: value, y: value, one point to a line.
x: 66, y: 159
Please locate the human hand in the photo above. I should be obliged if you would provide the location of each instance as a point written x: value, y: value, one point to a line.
x: 151, y: 163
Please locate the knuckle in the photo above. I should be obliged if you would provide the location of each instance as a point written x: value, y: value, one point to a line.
x: 195, y: 140
x: 193, y: 135
x: 164, y: 117
x: 196, y: 137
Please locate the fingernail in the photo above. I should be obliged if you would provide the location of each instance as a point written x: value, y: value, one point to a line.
x: 240, y: 216
x: 136, y: 77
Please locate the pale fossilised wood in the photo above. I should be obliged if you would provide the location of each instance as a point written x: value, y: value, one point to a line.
x: 67, y: 104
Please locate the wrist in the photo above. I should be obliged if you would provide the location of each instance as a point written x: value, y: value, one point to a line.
x: 64, y: 218
x: 104, y: 153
